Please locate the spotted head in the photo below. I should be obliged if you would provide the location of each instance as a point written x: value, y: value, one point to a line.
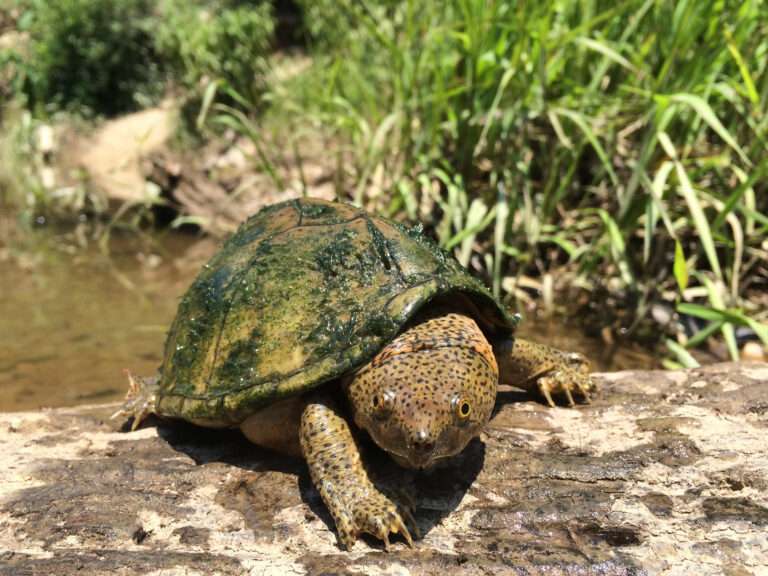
x: 429, y: 392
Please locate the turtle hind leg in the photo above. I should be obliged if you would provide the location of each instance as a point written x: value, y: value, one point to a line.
x: 140, y: 400
x: 356, y: 503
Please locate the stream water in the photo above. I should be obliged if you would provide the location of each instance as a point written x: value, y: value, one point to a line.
x: 73, y: 318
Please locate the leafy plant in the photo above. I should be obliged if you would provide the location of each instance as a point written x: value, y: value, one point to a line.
x: 218, y: 40
x: 90, y: 55
x: 621, y: 145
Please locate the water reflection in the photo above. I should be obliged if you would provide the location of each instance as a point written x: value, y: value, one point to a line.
x: 69, y: 323
x: 72, y: 320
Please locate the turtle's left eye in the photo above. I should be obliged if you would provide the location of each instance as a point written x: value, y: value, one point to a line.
x: 463, y: 408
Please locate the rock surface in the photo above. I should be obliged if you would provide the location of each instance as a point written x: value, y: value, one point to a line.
x: 664, y: 473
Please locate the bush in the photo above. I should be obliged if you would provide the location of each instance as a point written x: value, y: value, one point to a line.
x: 217, y: 40
x: 114, y: 56
x: 96, y: 55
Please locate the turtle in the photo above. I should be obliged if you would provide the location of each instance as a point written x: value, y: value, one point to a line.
x: 318, y: 323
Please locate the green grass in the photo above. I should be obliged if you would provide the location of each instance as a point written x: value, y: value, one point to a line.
x: 616, y: 149
x: 620, y: 147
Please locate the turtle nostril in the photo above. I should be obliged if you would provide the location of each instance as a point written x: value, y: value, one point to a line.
x: 423, y: 442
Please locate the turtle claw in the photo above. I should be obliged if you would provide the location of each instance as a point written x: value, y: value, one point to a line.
x: 139, y: 401
x: 569, y: 396
x: 404, y: 530
x: 405, y: 519
x: 380, y: 515
x: 544, y: 386
x: 411, y: 522
x: 571, y: 377
x: 400, y: 527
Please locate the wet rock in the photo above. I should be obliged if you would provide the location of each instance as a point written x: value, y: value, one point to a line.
x: 663, y: 472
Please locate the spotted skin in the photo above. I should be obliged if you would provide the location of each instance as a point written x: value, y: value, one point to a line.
x: 422, y: 398
x: 544, y: 370
x: 429, y: 392
x: 337, y: 470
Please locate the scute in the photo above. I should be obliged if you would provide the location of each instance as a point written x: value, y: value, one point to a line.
x: 304, y: 292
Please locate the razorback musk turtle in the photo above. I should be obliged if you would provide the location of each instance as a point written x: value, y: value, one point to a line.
x: 317, y: 315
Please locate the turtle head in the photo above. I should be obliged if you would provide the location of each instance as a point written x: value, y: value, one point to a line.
x: 429, y: 392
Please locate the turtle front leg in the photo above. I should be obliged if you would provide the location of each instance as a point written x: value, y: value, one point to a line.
x: 338, y: 473
x: 535, y: 367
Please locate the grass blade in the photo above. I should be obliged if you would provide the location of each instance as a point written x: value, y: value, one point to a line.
x: 683, y: 356
x: 578, y: 119
x: 705, y: 112
x: 694, y: 206
x: 680, y: 269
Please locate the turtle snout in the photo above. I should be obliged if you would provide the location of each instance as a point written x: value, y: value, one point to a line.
x: 423, y: 443
x: 421, y: 450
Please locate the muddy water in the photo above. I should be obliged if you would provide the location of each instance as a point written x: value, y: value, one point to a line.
x: 71, y: 319
x: 71, y: 322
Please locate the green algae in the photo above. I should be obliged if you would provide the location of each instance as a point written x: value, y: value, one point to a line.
x: 304, y: 292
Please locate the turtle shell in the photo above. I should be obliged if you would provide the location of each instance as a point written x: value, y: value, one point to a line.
x: 304, y: 292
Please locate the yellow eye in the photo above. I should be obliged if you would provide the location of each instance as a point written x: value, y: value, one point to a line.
x: 464, y: 409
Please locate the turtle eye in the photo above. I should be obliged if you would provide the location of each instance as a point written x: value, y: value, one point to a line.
x: 382, y: 402
x: 463, y: 408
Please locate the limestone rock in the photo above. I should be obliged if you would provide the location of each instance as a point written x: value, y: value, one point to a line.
x: 663, y: 472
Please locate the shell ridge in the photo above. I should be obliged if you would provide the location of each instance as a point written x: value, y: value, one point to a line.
x: 322, y: 224
x: 384, y: 249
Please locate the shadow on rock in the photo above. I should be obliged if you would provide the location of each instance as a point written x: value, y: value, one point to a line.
x: 265, y: 482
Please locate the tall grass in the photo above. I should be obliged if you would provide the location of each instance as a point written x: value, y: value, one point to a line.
x: 615, y: 148
x: 620, y: 147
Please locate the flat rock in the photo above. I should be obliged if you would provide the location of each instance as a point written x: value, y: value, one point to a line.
x: 664, y: 472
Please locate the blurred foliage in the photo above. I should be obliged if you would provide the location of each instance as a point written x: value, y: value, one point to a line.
x: 617, y: 146
x: 62, y: 61
x: 221, y: 40
x: 90, y: 55
x: 106, y: 57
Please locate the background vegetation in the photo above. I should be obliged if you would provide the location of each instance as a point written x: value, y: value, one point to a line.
x: 614, y: 149
x: 108, y: 57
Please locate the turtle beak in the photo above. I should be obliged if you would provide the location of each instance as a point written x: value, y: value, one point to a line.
x: 422, y: 451
x: 419, y: 451
x: 416, y: 462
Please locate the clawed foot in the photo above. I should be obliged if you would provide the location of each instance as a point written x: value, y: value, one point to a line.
x: 357, y: 503
x: 377, y: 514
x: 571, y: 377
x: 140, y: 399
